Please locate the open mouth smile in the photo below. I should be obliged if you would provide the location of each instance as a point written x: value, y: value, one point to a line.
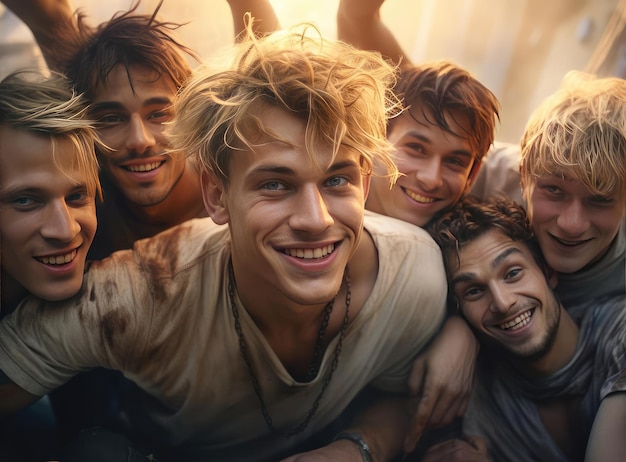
x: 309, y: 254
x: 58, y: 259
x: 418, y: 198
x: 143, y: 167
x: 520, y: 321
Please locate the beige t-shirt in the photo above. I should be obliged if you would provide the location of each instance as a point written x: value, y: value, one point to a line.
x: 161, y: 315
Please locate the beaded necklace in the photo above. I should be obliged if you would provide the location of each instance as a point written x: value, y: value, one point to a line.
x: 243, y: 346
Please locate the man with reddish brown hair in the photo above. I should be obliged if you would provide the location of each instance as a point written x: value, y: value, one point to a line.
x: 441, y: 142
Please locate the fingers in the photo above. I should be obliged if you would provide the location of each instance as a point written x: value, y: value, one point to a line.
x: 437, y: 407
x: 418, y: 373
x: 458, y: 450
x: 451, y: 403
x: 419, y: 422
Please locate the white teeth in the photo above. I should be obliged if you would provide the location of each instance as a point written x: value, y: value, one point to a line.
x: 144, y: 167
x: 418, y: 198
x: 58, y: 259
x: 519, y: 321
x: 307, y: 254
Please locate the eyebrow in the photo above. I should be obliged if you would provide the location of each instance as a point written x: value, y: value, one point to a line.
x: 424, y: 139
x: 21, y: 190
x: 469, y: 277
x: 289, y: 171
x: 114, y: 105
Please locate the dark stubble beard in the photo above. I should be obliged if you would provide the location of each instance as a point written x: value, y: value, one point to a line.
x: 539, y: 350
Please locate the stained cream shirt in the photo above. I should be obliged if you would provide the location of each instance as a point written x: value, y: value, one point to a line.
x: 160, y: 313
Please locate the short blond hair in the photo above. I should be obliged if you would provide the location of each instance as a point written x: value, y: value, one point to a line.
x: 581, y: 129
x: 342, y: 94
x: 48, y: 106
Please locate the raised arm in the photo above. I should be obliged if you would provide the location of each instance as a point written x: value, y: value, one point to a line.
x: 53, y: 25
x: 265, y: 19
x: 359, y: 23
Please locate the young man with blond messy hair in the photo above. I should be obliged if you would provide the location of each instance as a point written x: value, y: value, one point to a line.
x: 48, y: 188
x: 574, y: 181
x: 249, y: 336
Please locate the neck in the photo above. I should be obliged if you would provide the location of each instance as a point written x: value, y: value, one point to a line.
x: 278, y: 315
x: 559, y: 353
x: 183, y: 203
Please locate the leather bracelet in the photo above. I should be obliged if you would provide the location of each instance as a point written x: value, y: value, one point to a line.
x: 360, y: 442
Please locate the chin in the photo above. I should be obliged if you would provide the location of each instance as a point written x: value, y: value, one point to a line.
x: 68, y: 291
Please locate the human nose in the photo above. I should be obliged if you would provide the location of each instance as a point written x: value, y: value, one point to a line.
x: 140, y: 138
x: 60, y: 224
x: 572, y: 219
x: 428, y: 174
x: 310, y: 211
x: 502, y: 298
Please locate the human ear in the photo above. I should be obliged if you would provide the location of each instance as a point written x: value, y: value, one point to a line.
x: 213, y: 197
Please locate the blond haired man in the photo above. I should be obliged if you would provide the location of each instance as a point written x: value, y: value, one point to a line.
x: 249, y: 334
x: 574, y: 182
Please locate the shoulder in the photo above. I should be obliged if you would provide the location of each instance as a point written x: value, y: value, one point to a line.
x: 603, y: 328
x: 182, y: 245
x: 604, y: 314
x: 499, y: 173
x: 411, y: 277
x: 165, y: 254
x: 384, y: 228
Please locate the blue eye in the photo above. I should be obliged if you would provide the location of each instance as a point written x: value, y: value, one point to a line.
x: 77, y: 197
x: 23, y: 201
x: 337, y: 181
x: 273, y: 186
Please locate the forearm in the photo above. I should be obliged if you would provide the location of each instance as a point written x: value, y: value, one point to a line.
x: 53, y: 25
x: 359, y: 23
x: 265, y: 19
x: 383, y: 426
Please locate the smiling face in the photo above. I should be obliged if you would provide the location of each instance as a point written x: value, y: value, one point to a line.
x: 574, y: 227
x: 293, y: 226
x: 436, y: 168
x: 47, y: 216
x: 504, y: 295
x: 131, y: 123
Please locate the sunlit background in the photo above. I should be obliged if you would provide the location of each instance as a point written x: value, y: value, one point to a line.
x: 520, y: 49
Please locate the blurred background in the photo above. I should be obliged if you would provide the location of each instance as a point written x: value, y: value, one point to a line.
x: 520, y: 49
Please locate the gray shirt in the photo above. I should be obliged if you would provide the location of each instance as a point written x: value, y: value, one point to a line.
x: 503, y: 407
x: 605, y: 277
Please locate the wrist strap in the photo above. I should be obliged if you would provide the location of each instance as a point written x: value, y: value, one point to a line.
x: 360, y: 442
